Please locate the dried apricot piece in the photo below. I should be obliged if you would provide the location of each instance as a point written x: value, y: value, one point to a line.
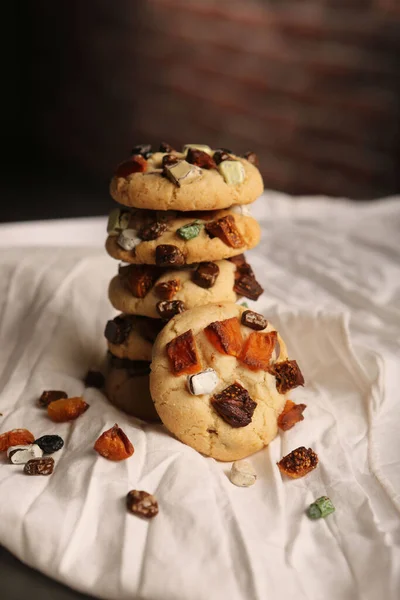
x: 136, y: 164
x: 166, y: 290
x: 15, y: 437
x: 291, y: 414
x: 225, y: 229
x: 288, y: 375
x: 67, y: 409
x: 140, y: 279
x: 182, y: 354
x: 114, y: 444
x: 298, y: 463
x: 225, y: 336
x: 257, y: 350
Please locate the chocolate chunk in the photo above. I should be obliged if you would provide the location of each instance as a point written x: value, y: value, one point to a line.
x: 39, y: 466
x: 246, y: 284
x: 225, y: 229
x: 254, y: 320
x: 182, y: 173
x: 137, y: 164
x: 166, y: 290
x: 50, y: 396
x: 164, y: 147
x: 238, y: 260
x: 206, y: 274
x: 94, y: 379
x: 153, y: 231
x: 169, y: 308
x: 170, y: 159
x: 143, y: 150
x: 234, y: 405
x: 117, y: 330
x: 232, y: 171
x: 140, y: 279
x: 168, y: 255
x: 135, y: 367
x: 288, y: 375
x: 142, y: 504
x: 252, y: 158
x: 200, y: 159
x: 221, y: 155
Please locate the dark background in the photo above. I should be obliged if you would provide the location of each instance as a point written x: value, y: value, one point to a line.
x: 312, y: 87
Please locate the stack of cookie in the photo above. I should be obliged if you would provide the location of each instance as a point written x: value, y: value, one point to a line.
x: 180, y: 234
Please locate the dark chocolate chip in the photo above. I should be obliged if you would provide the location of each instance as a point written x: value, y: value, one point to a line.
x: 50, y: 396
x: 153, y: 231
x: 118, y: 329
x: 248, y: 286
x: 169, y: 308
x: 168, y: 255
x: 221, y: 155
x: 142, y: 149
x: 206, y: 274
x: 254, y: 320
x: 234, y: 405
x: 94, y: 379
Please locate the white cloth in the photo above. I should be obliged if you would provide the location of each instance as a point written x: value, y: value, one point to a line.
x: 331, y: 273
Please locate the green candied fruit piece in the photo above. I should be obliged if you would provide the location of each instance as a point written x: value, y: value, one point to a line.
x: 190, y: 231
x: 244, y: 304
x: 321, y: 508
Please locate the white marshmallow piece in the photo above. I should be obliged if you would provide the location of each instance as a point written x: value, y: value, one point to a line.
x: 242, y: 474
x: 128, y: 239
x: 19, y: 455
x: 118, y: 220
x: 241, y: 209
x: 203, y: 383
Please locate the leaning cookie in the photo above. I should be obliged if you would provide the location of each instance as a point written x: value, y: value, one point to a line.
x: 196, y: 179
x: 219, y: 379
x: 174, y: 239
x: 157, y: 293
x: 132, y: 337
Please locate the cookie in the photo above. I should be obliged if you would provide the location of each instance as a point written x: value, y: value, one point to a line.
x: 221, y: 389
x: 213, y: 235
x: 178, y: 181
x: 132, y: 337
x: 159, y: 286
x: 130, y: 392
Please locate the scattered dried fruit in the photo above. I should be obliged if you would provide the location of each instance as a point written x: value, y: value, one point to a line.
x: 200, y: 159
x: 234, y: 405
x: 182, y: 354
x: 298, y: 463
x: 142, y: 504
x: 257, y: 350
x: 140, y: 279
x: 168, y: 255
x: 94, y: 379
x: 67, y: 409
x: 291, y: 414
x: 15, y: 437
x: 288, y: 375
x: 204, y: 382
x: 242, y: 474
x: 206, y: 274
x: 50, y: 396
x: 252, y: 158
x: 225, y: 336
x: 166, y: 290
x: 153, y: 231
x: 225, y: 229
x: 137, y: 164
x: 169, y: 308
x: 114, y: 444
x: 254, y: 320
x: 39, y: 466
x: 321, y: 508
x: 117, y: 330
x: 50, y: 443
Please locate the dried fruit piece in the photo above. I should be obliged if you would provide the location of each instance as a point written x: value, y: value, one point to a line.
x: 200, y: 159
x: 204, y: 382
x: 298, y: 463
x: 166, y: 290
x: 321, y: 508
x: 165, y: 147
x: 15, y: 437
x: 140, y: 279
x: 117, y: 330
x: 288, y: 375
x: 168, y: 255
x: 69, y: 409
x: 247, y: 285
x: 169, y: 308
x: 137, y: 164
x: 190, y: 231
x: 39, y: 466
x: 182, y: 354
x: 252, y: 158
x: 19, y: 455
x: 94, y: 379
x: 49, y: 396
x: 182, y: 172
x: 206, y: 274
x: 225, y: 229
x: 153, y: 231
x: 114, y: 444
x: 291, y: 414
x: 225, y: 336
x: 242, y: 474
x: 234, y: 405
x: 254, y: 320
x: 50, y: 443
x: 257, y: 350
x: 142, y: 504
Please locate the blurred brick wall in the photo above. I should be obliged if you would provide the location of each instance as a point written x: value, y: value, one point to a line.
x: 312, y: 86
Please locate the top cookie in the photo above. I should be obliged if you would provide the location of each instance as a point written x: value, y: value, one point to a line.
x: 196, y: 179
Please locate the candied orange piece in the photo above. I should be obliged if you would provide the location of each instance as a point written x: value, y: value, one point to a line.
x: 225, y: 229
x: 114, y: 444
x: 140, y: 279
x: 182, y: 354
x: 291, y: 414
x: 257, y: 350
x: 298, y: 463
x: 225, y: 336
x: 15, y: 437
x: 67, y: 409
